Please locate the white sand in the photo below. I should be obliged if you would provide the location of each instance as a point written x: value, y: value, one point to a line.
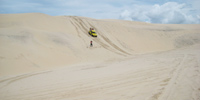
x: 49, y: 58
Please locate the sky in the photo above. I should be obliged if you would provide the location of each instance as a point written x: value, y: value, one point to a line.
x: 151, y: 11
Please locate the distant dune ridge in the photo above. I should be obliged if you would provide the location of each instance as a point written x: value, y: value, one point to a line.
x: 35, y: 42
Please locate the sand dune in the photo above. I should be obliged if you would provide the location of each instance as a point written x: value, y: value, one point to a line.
x: 46, y: 57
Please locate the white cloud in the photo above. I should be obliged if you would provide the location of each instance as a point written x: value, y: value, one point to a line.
x: 125, y: 15
x: 168, y: 13
x: 153, y: 11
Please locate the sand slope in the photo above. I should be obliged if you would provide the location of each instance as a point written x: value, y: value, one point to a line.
x: 46, y: 57
x: 173, y: 75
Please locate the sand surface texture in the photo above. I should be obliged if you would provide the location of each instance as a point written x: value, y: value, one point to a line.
x: 46, y: 57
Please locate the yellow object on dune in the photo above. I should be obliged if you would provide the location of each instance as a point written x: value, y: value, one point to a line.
x: 92, y: 33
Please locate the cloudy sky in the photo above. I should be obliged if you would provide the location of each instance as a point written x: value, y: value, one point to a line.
x: 152, y: 11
